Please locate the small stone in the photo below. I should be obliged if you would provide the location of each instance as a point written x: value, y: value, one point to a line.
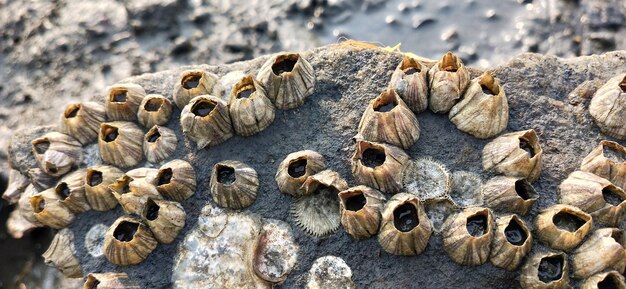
x: 330, y: 272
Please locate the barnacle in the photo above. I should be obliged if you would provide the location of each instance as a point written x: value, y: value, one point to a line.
x: 82, y: 121
x: 288, y: 79
x: 193, y: 83
x: 49, y: 210
x: 605, y: 249
x: 405, y: 228
x: 154, y: 110
x: 379, y: 165
x: 206, y: 121
x: 330, y: 272
x: 512, y: 241
x: 71, y: 191
x: 438, y: 210
x: 296, y: 168
x: 121, y: 143
x: 164, y: 218
x: 545, y: 270
x: 159, y: 143
x: 176, y: 180
x: 61, y: 254
x: 361, y: 208
x: 25, y: 209
x: 426, y: 178
x: 276, y: 252
x: 607, y: 280
x: 510, y: 194
x: 97, y: 192
x: 562, y: 227
x: 608, y: 107
x: 410, y: 81
x: 250, y: 109
x: 467, y: 236
x: 132, y: 194
x: 234, y: 184
x: 607, y: 160
x: 109, y: 281
x: 128, y: 241
x: 123, y: 100
x: 515, y: 154
x: 57, y: 153
x: 40, y: 179
x: 448, y: 79
x: 16, y: 185
x: 466, y: 189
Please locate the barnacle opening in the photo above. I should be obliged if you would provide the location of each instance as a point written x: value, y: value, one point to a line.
x: 610, y: 281
x: 524, y: 189
x: 476, y: 224
x: 515, y: 232
x: 123, y: 184
x: 622, y: 84
x: 41, y: 145
x: 153, y: 104
x: 619, y: 237
x: 245, y: 88
x: 151, y: 211
x: 94, y: 177
x: 72, y: 110
x: 405, y: 217
x: 91, y: 283
x: 372, y: 155
x: 118, y: 95
x: 153, y: 135
x: 613, y: 152
x: 448, y: 63
x: 297, y: 167
x: 410, y: 66
x: 527, y: 145
x: 109, y: 133
x: 62, y: 190
x: 191, y: 80
x: 488, y: 84
x: 226, y: 174
x: 164, y: 176
x: 355, y: 201
x: 612, y: 195
x: 285, y: 63
x: 385, y: 102
x: 567, y: 221
x: 203, y: 107
x: 551, y: 268
x: 38, y: 204
x: 125, y: 231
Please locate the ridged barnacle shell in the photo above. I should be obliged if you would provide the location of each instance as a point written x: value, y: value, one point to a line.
x: 288, y: 79
x: 176, y: 180
x: 250, y: 109
x: 193, y: 83
x: 25, y: 209
x: 40, y: 179
x: 467, y: 236
x: 405, y: 228
x: 448, y: 79
x: 562, y: 227
x: 607, y: 280
x: 109, y: 281
x: 123, y: 100
x: 605, y: 249
x: 296, y: 168
x: 60, y: 254
x: 121, y: 143
x: 484, y: 111
x: 361, y: 208
x: 71, y: 191
x: 380, y: 166
x: 82, y: 121
x: 511, y: 242
x: 516, y: 154
x: 546, y: 270
x: 426, y: 178
x: 154, y: 110
x: 132, y: 194
x: 317, y: 210
x: 509, y: 194
x: 607, y: 160
x: 608, y: 107
x: 128, y: 241
x: 410, y: 81
x: 206, y: 121
x: 57, y: 153
x: 50, y: 211
x: 164, y: 218
x: 159, y: 143
x: 144, y: 174
x: 389, y: 120
x: 466, y: 189
x: 595, y: 195
x: 16, y: 185
x: 234, y: 184
x: 97, y: 192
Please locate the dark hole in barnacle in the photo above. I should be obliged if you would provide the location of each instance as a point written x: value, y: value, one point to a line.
x: 373, y: 157
x: 515, y: 233
x: 356, y: 202
x: 411, y: 70
x: 550, y: 268
x: 385, y: 103
x: 284, y: 64
x: 202, y: 108
x: 525, y: 145
x: 72, y: 111
x: 52, y: 168
x: 191, y: 81
x: 612, y: 196
x: 119, y: 96
x: 297, y: 168
x: 125, y: 231
x: 152, y: 210
x: 94, y: 178
x: 246, y: 91
x: 226, y: 175
x: 410, y: 66
x: 164, y: 176
x: 476, y: 225
x: 609, y: 282
x: 109, y: 133
x: 405, y: 217
x: 153, y: 136
x: 568, y: 222
x: 524, y: 189
x: 622, y: 84
x: 62, y: 190
x: 613, y: 153
x: 42, y: 146
x: 153, y: 104
x: 39, y: 204
x: 618, y: 236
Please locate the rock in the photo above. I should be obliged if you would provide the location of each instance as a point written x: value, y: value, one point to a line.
x: 330, y: 272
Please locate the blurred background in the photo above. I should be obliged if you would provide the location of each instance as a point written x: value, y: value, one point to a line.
x: 54, y: 52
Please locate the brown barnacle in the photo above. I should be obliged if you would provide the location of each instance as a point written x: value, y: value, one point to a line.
x: 50, y: 211
x: 361, y: 208
x: 109, y: 281
x: 145, y: 174
x: 121, y: 143
x: 448, y: 79
x: 516, y: 154
x: 40, y: 179
x: 154, y: 110
x: 57, y: 153
x: 164, y: 218
x: 24, y: 207
x: 61, y: 255
x: 604, y: 249
x: 97, y: 192
x: 389, y: 120
x: 607, y: 160
x: 595, y: 195
x: 250, y: 109
x: 296, y: 168
x: 71, y: 192
x: 176, y: 180
x: 206, y: 121
x: 123, y: 100
x: 159, y: 143
x: 410, y: 81
x: 607, y: 280
x: 132, y: 194
x: 608, y: 107
x: 15, y: 187
x: 193, y: 83
x: 405, y: 228
x: 467, y: 236
x: 562, y: 227
x: 82, y: 121
x: 128, y: 241
x: 545, y: 270
x: 509, y: 194
x: 234, y: 184
x: 484, y: 111
x: 379, y: 166
x: 512, y: 241
x: 288, y: 79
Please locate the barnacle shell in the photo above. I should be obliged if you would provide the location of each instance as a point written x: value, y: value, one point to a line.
x: 132, y: 194
x: 607, y: 160
x: 144, y: 174
x: 405, y: 228
x: 516, y: 154
x: 250, y: 109
x: 288, y: 79
x: 448, y: 79
x: 562, y: 227
x: 50, y: 211
x: 361, y: 208
x: 193, y: 83
x: 426, y: 178
x: 16, y: 185
x: 388, y: 119
x: 603, y: 250
x: 60, y: 254
x: 409, y: 80
x: 379, y: 165
x: 159, y: 143
x: 120, y: 143
x: 57, y: 153
x: 276, y: 252
x: 512, y: 241
x: 82, y: 121
x: 25, y: 209
x: 154, y: 110
x: 123, y: 100
x: 484, y: 111
x: 97, y: 192
x: 128, y: 241
x: 330, y: 272
x: 611, y: 279
x: 545, y: 271
x: 176, y: 180
x: 40, y: 179
x: 206, y: 121
x: 439, y: 210
x: 296, y: 168
x: 164, y: 218
x: 510, y: 194
x: 109, y: 281
x: 467, y: 236
x: 234, y: 184
x: 608, y: 107
x: 466, y: 189
x: 71, y: 192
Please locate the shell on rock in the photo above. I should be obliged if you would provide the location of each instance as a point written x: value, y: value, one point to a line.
x: 82, y: 121
x: 132, y: 194
x: 121, y: 143
x: 608, y: 107
x: 288, y: 79
x: 510, y: 194
x: 16, y: 185
x: 426, y: 178
x: 466, y: 189
x: 123, y: 100
x: 276, y: 252
x: 607, y: 160
x: 448, y: 79
x: 516, y: 154
x: 164, y: 218
x: 97, y: 192
x: 234, y: 184
x: 545, y: 270
x: 405, y: 228
x: 512, y: 241
x: 128, y: 241
x: 361, y: 208
x: 57, y: 153
x: 607, y: 280
x: 176, y: 180
x: 410, y: 81
x: 159, y: 144
x: 109, y: 281
x: 250, y: 109
x: 296, y: 168
x: 439, y: 210
x: 330, y: 272
x: 604, y: 249
x: 26, y: 211
x: 154, y: 110
x: 193, y: 83
x: 60, y: 254
x: 206, y: 121
x: 50, y: 211
x: 467, y: 236
x: 71, y: 192
x: 562, y: 227
x: 380, y: 166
